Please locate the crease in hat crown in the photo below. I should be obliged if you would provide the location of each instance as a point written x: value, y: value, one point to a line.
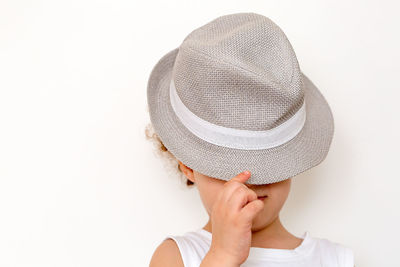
x: 236, y: 82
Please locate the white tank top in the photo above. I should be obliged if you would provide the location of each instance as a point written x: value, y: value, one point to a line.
x: 312, y: 252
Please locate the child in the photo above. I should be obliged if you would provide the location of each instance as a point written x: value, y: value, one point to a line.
x: 232, y: 98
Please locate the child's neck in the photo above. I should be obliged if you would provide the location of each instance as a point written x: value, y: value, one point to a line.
x: 273, y: 235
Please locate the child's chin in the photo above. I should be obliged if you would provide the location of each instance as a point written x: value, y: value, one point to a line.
x: 260, y: 222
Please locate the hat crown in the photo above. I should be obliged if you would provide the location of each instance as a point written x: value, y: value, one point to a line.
x: 239, y: 71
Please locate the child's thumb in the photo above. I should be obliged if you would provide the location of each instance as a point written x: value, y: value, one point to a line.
x: 252, y: 209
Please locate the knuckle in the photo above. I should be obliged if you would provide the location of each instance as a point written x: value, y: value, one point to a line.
x: 253, y: 194
x: 228, y: 184
x: 243, y: 186
x: 240, y: 190
x: 231, y: 185
x: 256, y: 206
x: 241, y: 195
x: 260, y: 205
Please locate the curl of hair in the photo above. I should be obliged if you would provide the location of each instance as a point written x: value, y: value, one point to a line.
x: 170, y: 160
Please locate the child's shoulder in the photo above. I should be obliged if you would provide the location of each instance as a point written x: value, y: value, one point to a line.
x: 187, y: 249
x: 166, y: 254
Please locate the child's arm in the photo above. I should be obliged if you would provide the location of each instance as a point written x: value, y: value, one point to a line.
x: 167, y: 255
x: 230, y: 245
x: 215, y: 260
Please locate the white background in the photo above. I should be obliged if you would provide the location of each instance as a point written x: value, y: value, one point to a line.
x: 81, y: 186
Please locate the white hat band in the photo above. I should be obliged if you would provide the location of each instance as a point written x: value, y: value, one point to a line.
x: 236, y: 138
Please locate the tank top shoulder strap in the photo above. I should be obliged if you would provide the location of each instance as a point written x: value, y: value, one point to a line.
x: 346, y: 256
x: 335, y: 253
x: 193, y: 246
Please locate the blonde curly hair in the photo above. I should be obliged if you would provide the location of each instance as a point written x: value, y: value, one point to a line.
x: 162, y: 151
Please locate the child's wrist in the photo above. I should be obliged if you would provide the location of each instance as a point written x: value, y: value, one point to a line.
x: 217, y: 258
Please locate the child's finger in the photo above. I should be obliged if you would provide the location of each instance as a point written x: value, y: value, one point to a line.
x: 240, y: 197
x: 241, y: 177
x: 233, y: 184
x: 251, y: 210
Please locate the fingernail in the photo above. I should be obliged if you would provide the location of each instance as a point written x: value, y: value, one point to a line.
x: 246, y: 172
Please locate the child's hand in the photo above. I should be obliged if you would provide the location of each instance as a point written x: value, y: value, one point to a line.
x: 231, y: 217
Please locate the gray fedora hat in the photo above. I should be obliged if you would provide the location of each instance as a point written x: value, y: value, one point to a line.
x: 232, y: 97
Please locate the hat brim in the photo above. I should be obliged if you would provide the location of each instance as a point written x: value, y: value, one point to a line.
x: 306, y: 150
